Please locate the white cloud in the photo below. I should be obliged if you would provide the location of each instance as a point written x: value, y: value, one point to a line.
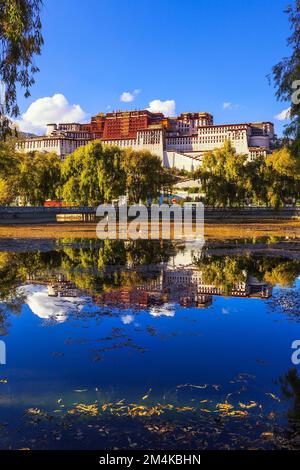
x: 167, y: 310
x: 285, y: 114
x: 229, y: 105
x: 55, y: 308
x: 166, y: 107
x: 51, y: 109
x: 127, y: 319
x: 128, y: 96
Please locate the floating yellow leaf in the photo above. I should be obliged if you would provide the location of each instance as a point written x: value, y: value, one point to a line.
x: 249, y: 405
x: 147, y: 395
x: 226, y: 409
x: 267, y: 435
x: 181, y: 409
x: 34, y: 411
x: 238, y: 413
x: 88, y: 409
x: 273, y: 396
x: 224, y: 406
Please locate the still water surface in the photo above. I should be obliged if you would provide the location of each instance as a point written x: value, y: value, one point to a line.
x: 148, y: 345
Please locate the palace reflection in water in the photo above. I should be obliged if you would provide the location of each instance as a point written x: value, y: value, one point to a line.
x: 185, y: 286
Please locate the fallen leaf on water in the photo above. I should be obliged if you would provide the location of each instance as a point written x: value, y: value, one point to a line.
x: 226, y: 409
x: 224, y: 406
x: 216, y: 387
x: 82, y: 408
x: 34, y: 411
x: 193, y: 386
x: 120, y: 402
x: 147, y: 394
x: 267, y: 435
x: 251, y: 404
x: 181, y: 409
x: 273, y: 396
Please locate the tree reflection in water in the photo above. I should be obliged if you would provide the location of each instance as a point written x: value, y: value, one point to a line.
x: 290, y: 388
x: 97, y: 266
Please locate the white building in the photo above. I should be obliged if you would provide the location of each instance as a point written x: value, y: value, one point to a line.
x: 180, y: 142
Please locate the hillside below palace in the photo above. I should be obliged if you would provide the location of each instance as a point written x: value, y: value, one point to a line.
x: 179, y: 141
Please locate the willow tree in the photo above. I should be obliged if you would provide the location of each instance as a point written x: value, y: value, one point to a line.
x: 8, y: 174
x: 282, y: 177
x: 38, y: 178
x: 111, y: 173
x: 20, y: 41
x: 286, y: 75
x: 223, y: 176
x: 80, y: 175
x: 144, y: 173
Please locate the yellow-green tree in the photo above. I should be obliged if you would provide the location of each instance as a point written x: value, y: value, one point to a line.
x: 282, y: 177
x: 93, y: 174
x: 6, y: 193
x: 8, y: 174
x: 38, y: 177
x: 223, y: 176
x: 143, y: 175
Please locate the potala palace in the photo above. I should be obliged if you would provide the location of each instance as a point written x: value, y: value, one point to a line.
x: 179, y: 141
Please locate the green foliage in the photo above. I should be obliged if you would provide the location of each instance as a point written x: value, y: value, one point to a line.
x: 96, y: 173
x: 38, y: 177
x: 223, y: 176
x: 143, y: 175
x: 20, y: 41
x: 32, y: 177
x: 223, y: 272
x: 91, y: 175
x: 111, y: 173
x: 6, y: 192
x: 227, y: 271
x: 8, y: 172
x: 80, y: 175
x: 230, y: 179
x: 286, y: 72
x: 283, y: 177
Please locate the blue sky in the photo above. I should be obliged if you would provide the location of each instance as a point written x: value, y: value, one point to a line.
x: 199, y: 53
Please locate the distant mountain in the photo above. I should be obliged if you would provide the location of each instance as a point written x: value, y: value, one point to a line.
x: 25, y: 135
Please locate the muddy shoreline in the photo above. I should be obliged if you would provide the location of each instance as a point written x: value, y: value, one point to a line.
x: 214, y: 230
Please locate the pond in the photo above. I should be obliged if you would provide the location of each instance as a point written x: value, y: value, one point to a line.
x: 149, y: 345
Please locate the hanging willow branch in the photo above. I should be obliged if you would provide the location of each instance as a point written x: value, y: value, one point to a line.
x: 20, y: 41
